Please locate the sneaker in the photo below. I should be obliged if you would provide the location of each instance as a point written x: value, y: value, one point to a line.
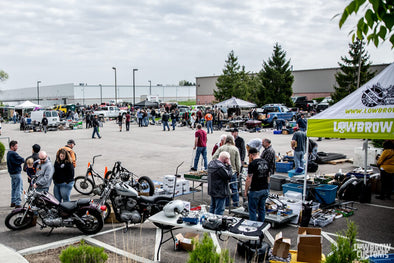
x: 193, y: 169
x: 12, y: 205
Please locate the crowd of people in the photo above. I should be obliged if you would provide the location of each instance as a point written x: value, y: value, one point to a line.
x: 40, y: 171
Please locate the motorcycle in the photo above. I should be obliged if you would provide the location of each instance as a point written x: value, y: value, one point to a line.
x: 83, y: 213
x: 128, y: 205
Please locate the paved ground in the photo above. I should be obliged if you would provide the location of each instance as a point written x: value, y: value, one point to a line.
x: 152, y: 152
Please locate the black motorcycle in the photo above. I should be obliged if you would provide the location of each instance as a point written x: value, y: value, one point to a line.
x: 84, y: 213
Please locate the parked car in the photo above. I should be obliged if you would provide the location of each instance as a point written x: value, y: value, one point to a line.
x: 271, y: 113
x: 51, y: 115
x: 324, y: 104
x: 302, y: 102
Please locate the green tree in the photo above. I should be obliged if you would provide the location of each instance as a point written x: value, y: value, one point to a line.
x: 276, y: 79
x: 3, y: 75
x: 377, y: 22
x: 348, y: 79
x: 230, y: 83
x: 186, y: 83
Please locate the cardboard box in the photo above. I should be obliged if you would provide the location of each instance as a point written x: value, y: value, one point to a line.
x: 186, y: 241
x: 281, y: 246
x: 309, y: 244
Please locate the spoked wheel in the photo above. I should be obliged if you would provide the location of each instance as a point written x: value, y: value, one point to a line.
x: 18, y: 220
x: 83, y: 185
x: 92, y: 221
x: 145, y: 185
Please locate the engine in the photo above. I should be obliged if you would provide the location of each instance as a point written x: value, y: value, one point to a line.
x: 51, y: 218
x: 127, y: 209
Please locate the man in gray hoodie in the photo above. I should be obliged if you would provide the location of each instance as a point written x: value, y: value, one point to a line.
x: 219, y: 174
x: 44, y: 173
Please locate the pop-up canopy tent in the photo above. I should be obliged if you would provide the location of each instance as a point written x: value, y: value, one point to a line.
x: 235, y: 102
x: 367, y: 113
x: 27, y: 105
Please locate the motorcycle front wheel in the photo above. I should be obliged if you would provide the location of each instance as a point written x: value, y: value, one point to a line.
x: 145, y: 185
x: 92, y: 221
x: 18, y: 221
x: 83, y: 185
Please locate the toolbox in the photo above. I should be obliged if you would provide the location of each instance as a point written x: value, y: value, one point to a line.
x: 276, y: 181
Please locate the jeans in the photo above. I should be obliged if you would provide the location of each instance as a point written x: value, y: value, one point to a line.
x: 139, y: 122
x: 62, y: 191
x: 220, y: 125
x: 165, y: 124
x: 234, y: 191
x: 127, y: 125
x: 217, y: 205
x: 173, y: 123
x: 256, y: 203
x: 298, y: 159
x: 153, y: 120
x: 16, y: 188
x: 203, y: 151
x: 209, y: 126
x: 95, y: 131
x: 146, y: 121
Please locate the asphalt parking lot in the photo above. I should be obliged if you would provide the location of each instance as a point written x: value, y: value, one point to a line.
x: 152, y: 152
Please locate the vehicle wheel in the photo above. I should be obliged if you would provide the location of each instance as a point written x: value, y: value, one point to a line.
x: 83, y: 185
x: 16, y: 221
x: 93, y: 221
x: 145, y: 185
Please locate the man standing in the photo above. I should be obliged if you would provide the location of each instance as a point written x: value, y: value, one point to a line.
x: 128, y: 117
x: 95, y: 125
x: 44, y: 123
x: 236, y: 168
x: 208, y: 119
x: 153, y: 115
x: 44, y: 173
x: 219, y: 174
x: 164, y: 119
x: 239, y: 143
x: 14, y: 162
x: 257, y: 180
x: 298, y: 144
x: 269, y: 155
x: 301, y: 122
x: 200, y: 145
x: 69, y: 148
x: 119, y: 119
x: 35, y: 150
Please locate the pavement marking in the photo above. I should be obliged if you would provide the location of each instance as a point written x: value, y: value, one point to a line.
x: 381, y: 206
x: 56, y: 244
x: 117, y: 250
x: 363, y: 241
x: 325, y: 235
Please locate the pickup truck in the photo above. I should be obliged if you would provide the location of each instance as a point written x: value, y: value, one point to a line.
x: 302, y: 102
x: 270, y: 113
x: 109, y: 112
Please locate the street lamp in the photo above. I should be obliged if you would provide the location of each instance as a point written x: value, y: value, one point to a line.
x: 150, y: 87
x: 101, y: 94
x: 134, y: 70
x: 116, y: 94
x: 38, y: 92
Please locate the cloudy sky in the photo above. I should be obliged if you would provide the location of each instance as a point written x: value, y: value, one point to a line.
x: 59, y: 41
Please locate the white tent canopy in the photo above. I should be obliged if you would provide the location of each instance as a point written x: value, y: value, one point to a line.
x: 27, y: 105
x: 235, y: 102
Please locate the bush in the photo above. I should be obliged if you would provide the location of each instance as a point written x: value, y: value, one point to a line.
x: 205, y: 252
x: 2, y: 151
x: 83, y: 254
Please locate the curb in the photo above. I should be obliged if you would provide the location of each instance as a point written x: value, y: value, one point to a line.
x: 8, y: 254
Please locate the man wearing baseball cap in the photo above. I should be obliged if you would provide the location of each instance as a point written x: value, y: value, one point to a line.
x: 69, y: 148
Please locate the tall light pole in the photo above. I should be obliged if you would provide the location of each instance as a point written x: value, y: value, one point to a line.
x: 101, y: 94
x: 38, y: 92
x: 116, y: 93
x: 134, y: 70
x: 150, y: 87
x: 83, y: 91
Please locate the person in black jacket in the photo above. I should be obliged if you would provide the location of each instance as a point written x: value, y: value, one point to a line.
x: 219, y: 175
x: 14, y: 162
x: 164, y: 120
x: 96, y: 125
x: 239, y: 143
x: 63, y: 177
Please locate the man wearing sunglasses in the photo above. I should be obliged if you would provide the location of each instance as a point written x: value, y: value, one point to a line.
x: 44, y: 173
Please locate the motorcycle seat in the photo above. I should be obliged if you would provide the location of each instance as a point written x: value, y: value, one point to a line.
x: 83, y: 202
x: 153, y: 199
x: 69, y: 206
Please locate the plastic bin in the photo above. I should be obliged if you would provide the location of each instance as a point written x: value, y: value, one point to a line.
x: 382, y: 259
x: 278, y: 132
x: 293, y: 187
x: 326, y: 193
x: 284, y: 167
x: 293, y: 172
x: 276, y: 182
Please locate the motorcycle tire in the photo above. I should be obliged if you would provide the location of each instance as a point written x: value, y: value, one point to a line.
x: 83, y: 185
x: 15, y: 221
x: 93, y: 221
x: 143, y: 183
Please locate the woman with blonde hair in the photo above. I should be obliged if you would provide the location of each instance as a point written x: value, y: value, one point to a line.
x: 63, y: 177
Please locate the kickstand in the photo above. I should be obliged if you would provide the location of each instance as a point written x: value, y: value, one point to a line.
x: 127, y: 227
x: 50, y: 232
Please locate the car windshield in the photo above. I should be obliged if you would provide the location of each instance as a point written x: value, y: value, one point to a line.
x: 54, y: 114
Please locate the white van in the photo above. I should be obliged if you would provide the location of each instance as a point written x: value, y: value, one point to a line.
x: 51, y: 115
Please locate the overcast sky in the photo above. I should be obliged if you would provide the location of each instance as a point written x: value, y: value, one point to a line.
x: 80, y: 41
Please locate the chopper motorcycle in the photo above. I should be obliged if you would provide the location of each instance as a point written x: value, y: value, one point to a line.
x: 83, y: 213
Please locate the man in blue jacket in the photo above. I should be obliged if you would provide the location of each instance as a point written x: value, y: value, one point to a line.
x: 14, y: 162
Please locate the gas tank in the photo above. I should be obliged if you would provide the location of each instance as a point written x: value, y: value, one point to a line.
x: 125, y: 190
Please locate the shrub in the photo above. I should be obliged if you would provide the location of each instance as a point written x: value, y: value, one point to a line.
x: 205, y: 252
x: 83, y: 254
x: 2, y: 151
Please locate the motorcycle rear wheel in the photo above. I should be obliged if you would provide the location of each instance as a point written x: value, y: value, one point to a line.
x: 145, y: 185
x: 83, y: 185
x: 93, y: 221
x: 15, y: 220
